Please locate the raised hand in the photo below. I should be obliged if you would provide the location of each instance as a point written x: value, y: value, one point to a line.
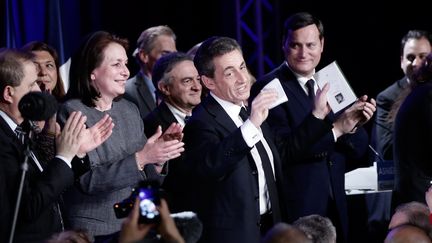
x: 260, y: 106
x: 173, y: 132
x: 358, y: 114
x: 167, y: 228
x: 368, y: 110
x: 158, y: 150
x: 69, y: 140
x: 321, y: 107
x: 131, y: 230
x: 97, y: 134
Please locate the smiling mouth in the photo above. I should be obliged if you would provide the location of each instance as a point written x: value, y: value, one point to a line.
x: 43, y: 81
x: 242, y: 89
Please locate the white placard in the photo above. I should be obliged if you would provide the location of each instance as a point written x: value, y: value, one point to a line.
x: 340, y: 94
x: 277, y: 86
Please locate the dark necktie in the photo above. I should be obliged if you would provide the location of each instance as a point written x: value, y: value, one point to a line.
x: 244, y: 115
x: 186, y: 119
x: 267, y: 168
x: 20, y: 134
x: 310, y: 87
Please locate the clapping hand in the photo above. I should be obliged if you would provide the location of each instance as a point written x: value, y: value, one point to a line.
x: 159, y: 149
x: 94, y: 136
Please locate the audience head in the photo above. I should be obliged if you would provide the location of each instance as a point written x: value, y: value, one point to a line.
x: 223, y: 70
x: 153, y: 43
x: 177, y: 81
x: 99, y: 68
x: 47, y: 61
x: 193, y: 50
x: 18, y: 76
x: 303, y: 35
x: 415, y: 46
x: 318, y: 228
x: 283, y: 233
x: 209, y: 50
x: 414, y: 213
x: 407, y: 233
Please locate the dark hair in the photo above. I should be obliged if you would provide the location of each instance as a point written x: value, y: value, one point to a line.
x: 147, y: 39
x: 300, y: 20
x: 414, y: 34
x: 191, y: 52
x: 11, y: 66
x: 88, y: 57
x: 165, y: 64
x: 58, y: 90
x: 213, y: 47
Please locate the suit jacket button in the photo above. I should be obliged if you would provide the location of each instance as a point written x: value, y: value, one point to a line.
x: 254, y: 172
x: 331, y: 163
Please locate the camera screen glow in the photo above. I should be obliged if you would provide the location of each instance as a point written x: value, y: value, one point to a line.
x: 147, y: 207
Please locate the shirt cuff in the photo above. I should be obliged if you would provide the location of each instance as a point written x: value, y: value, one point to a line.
x: 67, y: 161
x: 250, y: 133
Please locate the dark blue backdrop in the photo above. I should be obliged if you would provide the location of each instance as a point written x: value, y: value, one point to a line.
x: 362, y: 36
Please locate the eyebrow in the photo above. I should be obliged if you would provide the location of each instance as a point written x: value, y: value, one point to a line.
x: 49, y: 61
x: 121, y: 60
x: 233, y: 67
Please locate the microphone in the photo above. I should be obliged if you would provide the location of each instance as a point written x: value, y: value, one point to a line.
x: 37, y: 106
x: 189, y: 226
x: 375, y: 153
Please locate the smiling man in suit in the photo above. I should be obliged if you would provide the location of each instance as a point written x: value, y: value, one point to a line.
x: 231, y: 169
x: 179, y: 89
x: 314, y: 178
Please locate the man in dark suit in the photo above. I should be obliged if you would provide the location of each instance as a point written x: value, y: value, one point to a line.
x: 231, y: 168
x: 415, y: 46
x: 314, y: 178
x: 179, y: 88
x: 153, y: 43
x: 39, y: 215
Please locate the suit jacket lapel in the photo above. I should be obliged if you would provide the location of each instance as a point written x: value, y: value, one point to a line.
x: 165, y: 114
x: 9, y: 134
x: 220, y: 116
x: 403, y: 83
x: 144, y: 92
x: 293, y: 88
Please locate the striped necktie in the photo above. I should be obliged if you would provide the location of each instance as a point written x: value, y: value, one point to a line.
x: 20, y: 134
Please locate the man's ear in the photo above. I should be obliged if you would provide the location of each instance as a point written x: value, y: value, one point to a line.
x: 143, y: 56
x: 208, y: 82
x: 163, y: 88
x: 8, y: 93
